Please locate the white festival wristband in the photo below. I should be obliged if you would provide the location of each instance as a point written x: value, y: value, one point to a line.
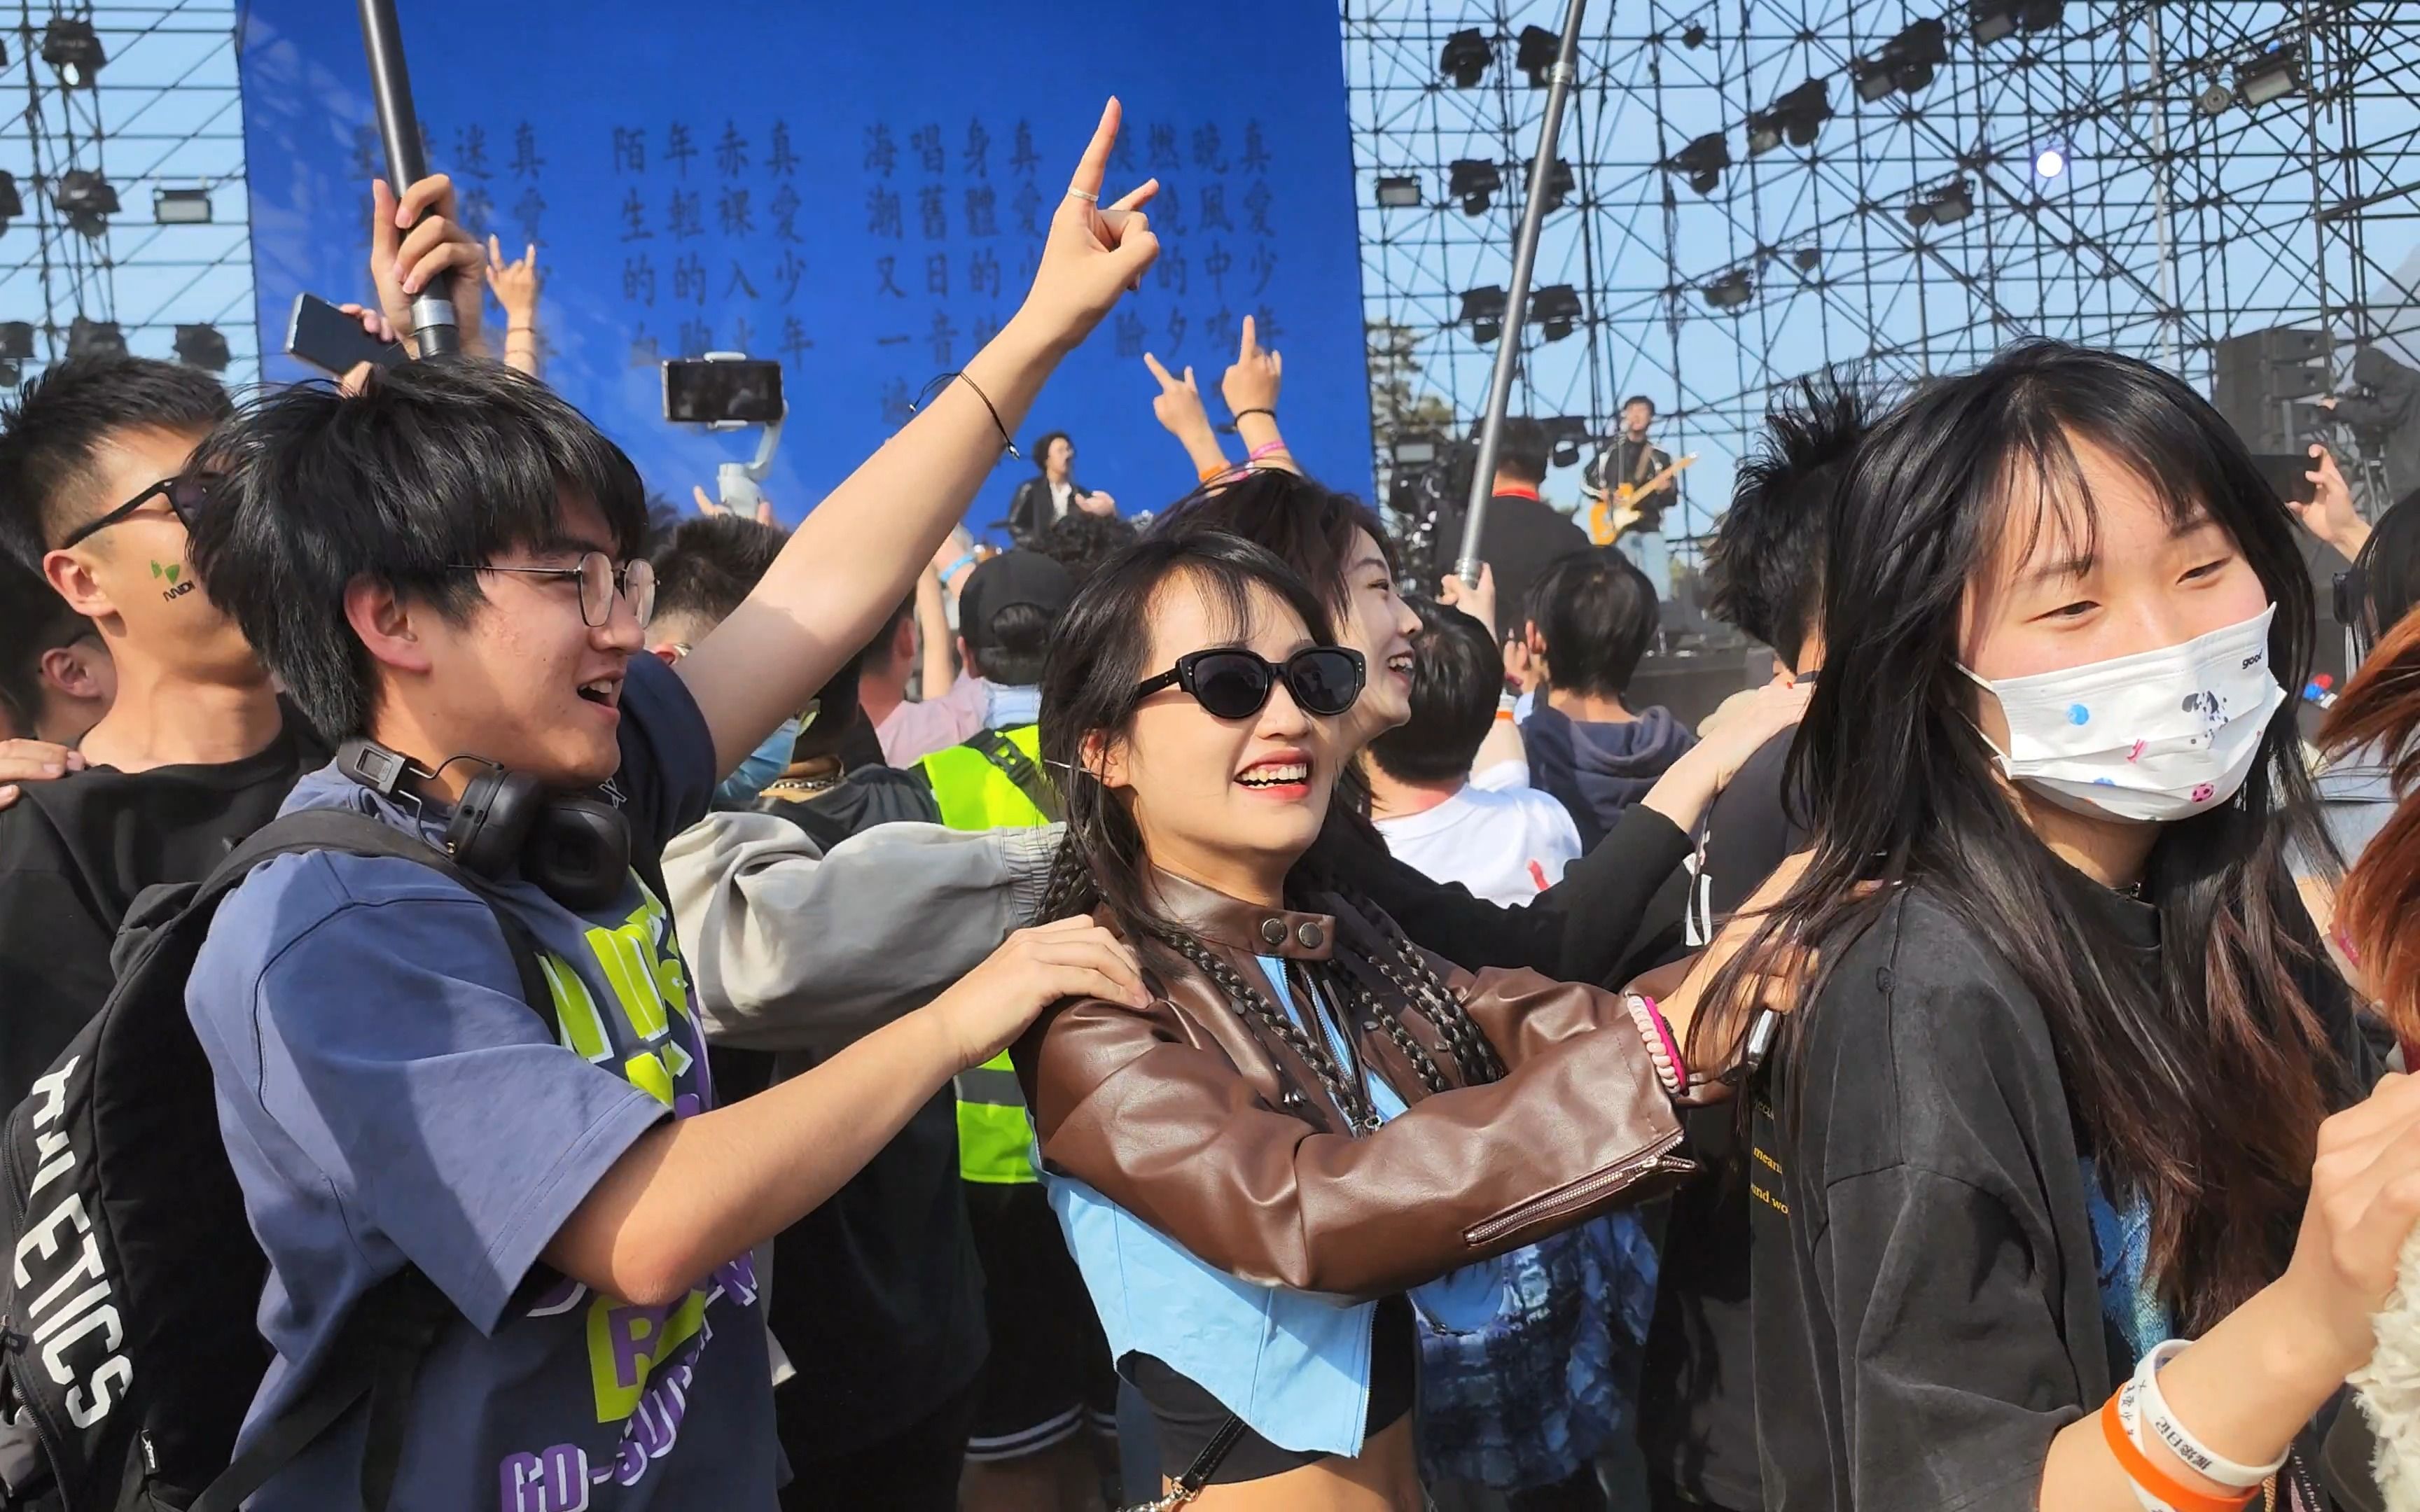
x: 2130, y: 1417
x: 2161, y: 1422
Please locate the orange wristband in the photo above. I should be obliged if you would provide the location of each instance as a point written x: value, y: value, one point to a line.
x: 1218, y: 470
x: 2162, y: 1486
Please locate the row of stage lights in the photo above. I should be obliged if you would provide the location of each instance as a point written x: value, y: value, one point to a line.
x: 1906, y: 64
x: 203, y: 346
x: 84, y: 199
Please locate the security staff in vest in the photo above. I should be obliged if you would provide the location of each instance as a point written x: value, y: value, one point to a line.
x: 1006, y: 614
x: 1048, y: 1391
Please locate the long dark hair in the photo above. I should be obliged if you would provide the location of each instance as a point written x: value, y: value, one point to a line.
x: 1088, y: 687
x: 2203, y: 1095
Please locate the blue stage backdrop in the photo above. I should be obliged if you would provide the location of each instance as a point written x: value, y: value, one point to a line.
x: 859, y: 192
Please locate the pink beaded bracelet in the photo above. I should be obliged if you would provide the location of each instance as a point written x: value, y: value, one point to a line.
x: 1662, y: 1049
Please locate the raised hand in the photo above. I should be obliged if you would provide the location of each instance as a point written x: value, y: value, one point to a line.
x: 515, y: 283
x: 710, y: 506
x: 2330, y: 514
x: 408, y: 254
x: 1178, y: 405
x: 1477, y: 602
x: 1094, y: 251
x: 1252, y: 382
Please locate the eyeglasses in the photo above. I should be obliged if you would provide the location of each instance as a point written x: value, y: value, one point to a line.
x: 186, y: 493
x: 600, y: 580
x: 1233, y: 684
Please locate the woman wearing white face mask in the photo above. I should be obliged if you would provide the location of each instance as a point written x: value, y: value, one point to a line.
x: 2059, y: 1095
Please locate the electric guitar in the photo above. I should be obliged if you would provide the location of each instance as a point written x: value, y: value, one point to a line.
x: 1612, y: 513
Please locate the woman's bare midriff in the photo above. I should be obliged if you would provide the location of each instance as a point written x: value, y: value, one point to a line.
x: 1385, y: 1477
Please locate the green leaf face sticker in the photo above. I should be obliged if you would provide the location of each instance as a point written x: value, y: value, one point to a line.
x: 174, y: 568
x: 157, y: 571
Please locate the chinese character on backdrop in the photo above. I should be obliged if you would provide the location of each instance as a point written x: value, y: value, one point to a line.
x: 1215, y: 265
x: 634, y: 218
x: 630, y: 150
x: 696, y: 338
x: 689, y: 279
x: 784, y: 211
x: 889, y: 269
x: 526, y: 162
x: 681, y: 216
x: 739, y: 283
x: 1163, y: 148
x: 471, y: 152
x: 928, y: 143
x: 677, y: 147
x: 982, y: 220
x: 1208, y: 152
x: 983, y: 273
x: 639, y: 280
x: 976, y: 161
x: 788, y: 271
x: 527, y: 210
x: 1024, y: 159
x: 795, y: 344
x: 944, y: 338
x: 932, y: 214
x: 1129, y: 334
x: 881, y: 153
x: 731, y: 208
x: 937, y: 274
x: 898, y: 405
x: 779, y: 162
x: 882, y: 214
x: 1263, y: 267
x: 731, y: 152
x: 1028, y: 204
x: 1214, y: 208
x: 1256, y: 201
x: 1256, y: 153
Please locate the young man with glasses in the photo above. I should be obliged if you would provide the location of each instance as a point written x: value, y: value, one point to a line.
x: 195, y: 751
x: 448, y: 566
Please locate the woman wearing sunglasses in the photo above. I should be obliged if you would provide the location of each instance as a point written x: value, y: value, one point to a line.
x: 1314, y: 1128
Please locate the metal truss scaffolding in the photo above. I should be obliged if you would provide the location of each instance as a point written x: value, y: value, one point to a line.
x: 126, y: 222
x: 1762, y: 187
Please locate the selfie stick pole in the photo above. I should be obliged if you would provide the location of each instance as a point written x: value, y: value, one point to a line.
x: 433, y: 323
x: 1517, y: 299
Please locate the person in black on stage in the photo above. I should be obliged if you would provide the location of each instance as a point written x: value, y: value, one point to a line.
x: 1045, y: 499
x: 1522, y: 532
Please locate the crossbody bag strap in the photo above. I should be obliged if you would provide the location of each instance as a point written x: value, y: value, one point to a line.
x: 1188, y: 1486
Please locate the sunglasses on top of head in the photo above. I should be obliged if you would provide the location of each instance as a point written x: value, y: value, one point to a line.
x: 1235, y: 684
x: 185, y: 493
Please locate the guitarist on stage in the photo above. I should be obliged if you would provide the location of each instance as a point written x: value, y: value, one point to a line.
x: 1635, y: 461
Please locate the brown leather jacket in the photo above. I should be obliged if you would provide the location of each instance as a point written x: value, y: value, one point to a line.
x: 1200, y: 1124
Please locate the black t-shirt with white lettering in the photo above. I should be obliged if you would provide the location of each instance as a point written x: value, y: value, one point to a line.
x: 76, y: 853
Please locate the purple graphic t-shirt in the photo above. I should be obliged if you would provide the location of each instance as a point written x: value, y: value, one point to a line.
x: 388, y: 1097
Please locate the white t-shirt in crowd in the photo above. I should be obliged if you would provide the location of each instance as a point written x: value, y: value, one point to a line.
x: 1505, y: 846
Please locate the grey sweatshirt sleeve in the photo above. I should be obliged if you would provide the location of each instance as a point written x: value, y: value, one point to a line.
x: 791, y: 949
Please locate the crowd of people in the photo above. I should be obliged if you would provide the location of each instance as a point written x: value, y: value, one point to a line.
x: 515, y: 999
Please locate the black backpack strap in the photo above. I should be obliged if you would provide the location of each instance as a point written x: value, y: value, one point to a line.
x: 377, y: 1353
x: 1018, y: 769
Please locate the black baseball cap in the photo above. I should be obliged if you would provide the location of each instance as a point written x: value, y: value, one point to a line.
x: 1009, y: 578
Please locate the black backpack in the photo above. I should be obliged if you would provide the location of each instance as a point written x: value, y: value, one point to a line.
x: 132, y: 1347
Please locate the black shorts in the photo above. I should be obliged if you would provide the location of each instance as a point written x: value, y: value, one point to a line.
x: 1048, y: 1376
x: 1186, y: 1418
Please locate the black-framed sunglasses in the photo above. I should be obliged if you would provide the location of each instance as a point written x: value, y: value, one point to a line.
x: 1234, y: 684
x: 600, y: 580
x: 186, y: 493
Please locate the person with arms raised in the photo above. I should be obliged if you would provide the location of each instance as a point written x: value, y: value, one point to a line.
x: 470, y: 618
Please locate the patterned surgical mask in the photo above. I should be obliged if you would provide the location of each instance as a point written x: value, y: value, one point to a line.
x: 2155, y: 737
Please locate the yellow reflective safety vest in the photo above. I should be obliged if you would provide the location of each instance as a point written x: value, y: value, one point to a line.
x: 994, y: 780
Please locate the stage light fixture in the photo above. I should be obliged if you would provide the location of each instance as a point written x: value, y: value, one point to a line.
x: 2049, y: 161
x: 17, y: 341
x: 95, y: 338
x: 1693, y: 37
x: 1807, y: 259
x: 1947, y: 205
x: 203, y: 346
x: 1534, y: 53
x: 1474, y: 181
x: 1482, y: 310
x: 2269, y: 77
x: 1558, y: 186
x: 181, y: 207
x: 1797, y: 116
x: 73, y: 48
x: 1703, y: 160
x: 12, y: 205
x: 1557, y: 310
x: 1415, y: 451
x: 1992, y: 20
x: 85, y: 199
x: 1400, y: 193
x: 1466, y: 57
x: 1730, y: 292
x: 2214, y: 100
x: 1905, y: 63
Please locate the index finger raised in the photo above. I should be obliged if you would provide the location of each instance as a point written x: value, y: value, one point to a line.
x: 1095, y: 165
x: 1250, y: 343
x: 1167, y: 379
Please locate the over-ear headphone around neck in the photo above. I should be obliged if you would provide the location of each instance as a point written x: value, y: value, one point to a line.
x: 575, y: 847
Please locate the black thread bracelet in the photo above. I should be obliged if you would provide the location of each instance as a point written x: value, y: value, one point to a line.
x: 1235, y: 425
x: 942, y: 379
